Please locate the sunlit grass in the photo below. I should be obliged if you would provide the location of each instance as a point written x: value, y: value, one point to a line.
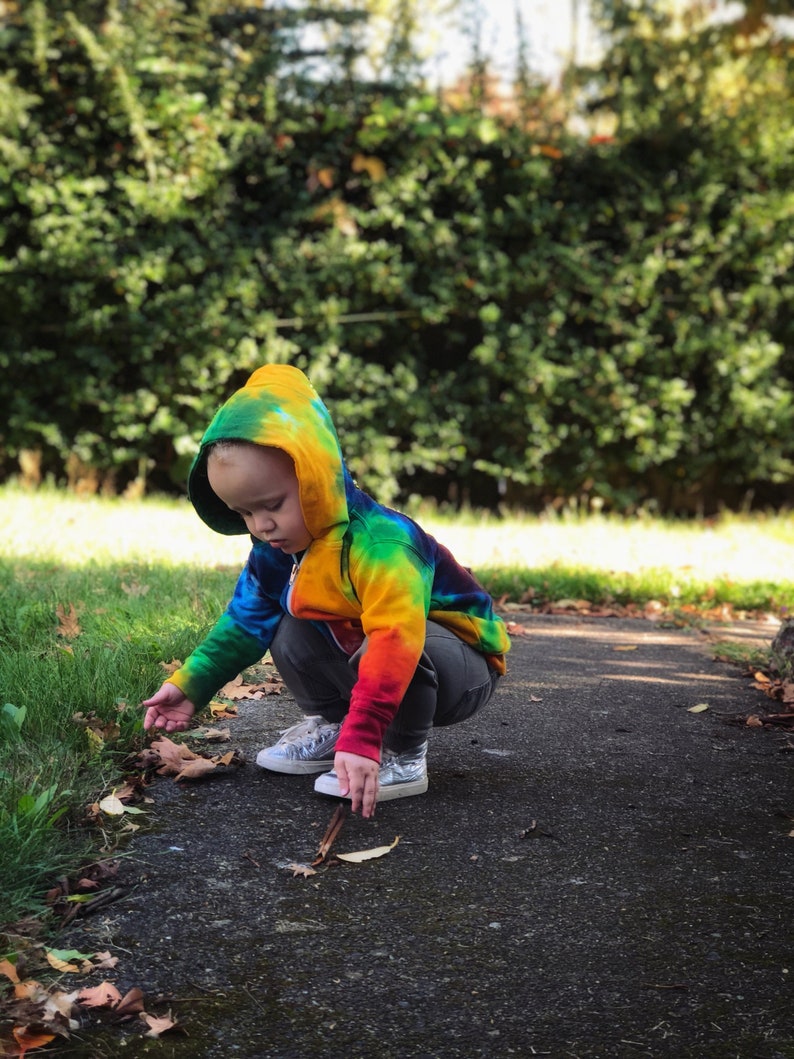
x: 66, y: 529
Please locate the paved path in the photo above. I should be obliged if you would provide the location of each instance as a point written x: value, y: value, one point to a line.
x: 595, y: 871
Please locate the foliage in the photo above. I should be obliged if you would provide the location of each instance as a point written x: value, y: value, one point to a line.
x: 491, y: 309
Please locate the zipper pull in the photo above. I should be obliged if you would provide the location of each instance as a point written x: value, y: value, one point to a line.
x: 293, y: 572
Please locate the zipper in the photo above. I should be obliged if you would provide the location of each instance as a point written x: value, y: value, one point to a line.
x: 292, y: 575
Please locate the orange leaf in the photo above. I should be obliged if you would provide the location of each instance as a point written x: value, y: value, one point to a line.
x: 9, y: 970
x: 27, y: 1038
x: 104, y: 995
x: 68, y: 625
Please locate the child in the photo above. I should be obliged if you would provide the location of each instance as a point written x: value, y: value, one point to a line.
x: 375, y: 628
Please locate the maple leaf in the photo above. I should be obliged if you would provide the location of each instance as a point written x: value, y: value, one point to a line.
x: 301, y: 869
x: 68, y: 624
x: 135, y: 589
x: 104, y: 995
x: 158, y: 1025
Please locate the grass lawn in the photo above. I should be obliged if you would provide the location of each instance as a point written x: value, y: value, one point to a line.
x: 98, y: 594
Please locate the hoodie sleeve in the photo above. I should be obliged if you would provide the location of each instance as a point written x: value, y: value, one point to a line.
x: 394, y: 584
x: 238, y: 639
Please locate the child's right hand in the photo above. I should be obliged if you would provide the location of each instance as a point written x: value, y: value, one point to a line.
x: 168, y: 709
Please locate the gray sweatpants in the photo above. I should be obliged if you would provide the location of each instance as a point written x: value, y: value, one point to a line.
x: 452, y: 680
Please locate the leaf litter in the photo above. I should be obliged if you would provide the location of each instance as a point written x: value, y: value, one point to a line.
x: 33, y: 1014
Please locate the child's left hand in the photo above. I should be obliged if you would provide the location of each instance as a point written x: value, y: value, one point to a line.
x: 358, y: 780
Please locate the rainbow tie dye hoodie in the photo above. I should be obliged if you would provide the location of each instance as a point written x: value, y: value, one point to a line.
x: 368, y: 572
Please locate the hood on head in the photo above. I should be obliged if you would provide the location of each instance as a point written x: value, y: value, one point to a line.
x: 278, y: 407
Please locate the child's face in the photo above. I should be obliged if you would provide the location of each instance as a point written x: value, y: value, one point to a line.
x: 260, y: 484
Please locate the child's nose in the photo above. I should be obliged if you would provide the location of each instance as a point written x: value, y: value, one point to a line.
x: 263, y: 522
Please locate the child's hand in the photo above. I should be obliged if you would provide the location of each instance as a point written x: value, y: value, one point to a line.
x: 169, y: 709
x: 358, y: 780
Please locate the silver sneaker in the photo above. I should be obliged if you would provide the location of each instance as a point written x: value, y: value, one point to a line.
x: 306, y: 747
x: 400, y: 776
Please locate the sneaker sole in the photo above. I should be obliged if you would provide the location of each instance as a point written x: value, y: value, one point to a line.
x: 385, y: 794
x: 293, y: 768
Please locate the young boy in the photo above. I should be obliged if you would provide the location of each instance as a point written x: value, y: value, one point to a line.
x: 375, y: 628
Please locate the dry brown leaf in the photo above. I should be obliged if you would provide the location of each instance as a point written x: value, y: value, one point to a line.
x: 68, y: 624
x: 195, y: 769
x: 130, y: 1004
x: 172, y: 666
x: 626, y: 647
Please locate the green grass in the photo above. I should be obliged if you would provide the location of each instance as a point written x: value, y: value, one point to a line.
x: 147, y: 578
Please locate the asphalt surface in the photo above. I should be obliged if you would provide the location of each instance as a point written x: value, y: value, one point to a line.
x: 595, y: 871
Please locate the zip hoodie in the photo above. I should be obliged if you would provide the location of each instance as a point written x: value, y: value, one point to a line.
x: 369, y: 574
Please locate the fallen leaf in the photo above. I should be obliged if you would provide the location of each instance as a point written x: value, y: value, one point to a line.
x: 368, y: 854
x: 7, y: 968
x: 130, y: 1004
x: 157, y: 1025
x: 301, y: 869
x: 135, y: 589
x: 172, y: 666
x: 68, y: 625
x: 626, y: 647
x: 60, y: 960
x: 104, y: 995
x: 195, y: 769
x: 112, y: 806
x: 700, y: 708
x: 28, y: 1037
x: 222, y: 709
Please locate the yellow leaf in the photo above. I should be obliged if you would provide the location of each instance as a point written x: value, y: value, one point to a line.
x: 61, y: 965
x: 368, y: 854
x: 374, y: 167
x: 626, y: 647
x: 112, y: 805
x: 700, y: 708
